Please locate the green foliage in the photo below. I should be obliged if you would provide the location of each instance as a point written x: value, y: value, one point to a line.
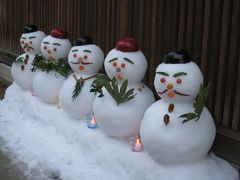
x: 60, y: 65
x: 120, y: 96
x: 78, y: 87
x: 13, y: 58
x: 198, y: 104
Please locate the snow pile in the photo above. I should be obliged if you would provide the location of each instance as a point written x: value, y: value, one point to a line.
x: 44, y: 137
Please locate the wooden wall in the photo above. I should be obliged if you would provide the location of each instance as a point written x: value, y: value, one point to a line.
x: 208, y: 29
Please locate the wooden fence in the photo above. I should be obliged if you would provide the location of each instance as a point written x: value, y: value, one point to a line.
x: 209, y: 30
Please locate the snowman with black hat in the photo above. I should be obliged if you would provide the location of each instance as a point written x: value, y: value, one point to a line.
x: 178, y: 130
x: 21, y: 68
x: 52, y: 66
x: 124, y: 98
x: 86, y: 60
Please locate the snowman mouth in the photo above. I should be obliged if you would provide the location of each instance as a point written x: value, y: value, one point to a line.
x: 175, y: 91
x: 84, y: 63
x: 28, y: 47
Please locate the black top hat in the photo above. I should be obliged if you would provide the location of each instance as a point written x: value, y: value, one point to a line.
x: 83, y: 40
x: 177, y: 57
x: 30, y: 28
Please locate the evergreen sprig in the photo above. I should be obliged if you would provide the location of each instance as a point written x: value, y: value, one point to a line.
x: 14, y: 59
x: 198, y: 105
x: 120, y: 96
x: 60, y: 65
x: 78, y: 87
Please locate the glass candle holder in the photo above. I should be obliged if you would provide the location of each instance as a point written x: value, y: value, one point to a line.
x: 136, y: 143
x: 91, y: 122
x: 59, y: 105
x: 32, y: 91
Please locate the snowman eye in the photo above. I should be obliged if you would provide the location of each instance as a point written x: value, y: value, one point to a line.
x: 114, y: 64
x: 123, y: 65
x: 45, y: 47
x: 178, y: 81
x: 55, y: 49
x: 22, y: 42
x: 74, y: 55
x: 162, y: 80
x: 85, y: 57
x: 30, y: 42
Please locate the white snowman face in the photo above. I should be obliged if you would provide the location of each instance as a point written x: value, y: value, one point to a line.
x: 125, y: 65
x: 31, y: 42
x: 178, y: 82
x: 86, y: 59
x: 55, y: 48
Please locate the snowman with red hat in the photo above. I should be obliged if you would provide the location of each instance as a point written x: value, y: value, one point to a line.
x: 21, y: 68
x: 124, y: 98
x: 178, y: 130
x: 52, y: 65
x: 86, y: 60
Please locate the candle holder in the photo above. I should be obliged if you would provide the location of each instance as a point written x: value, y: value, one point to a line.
x: 59, y: 105
x: 136, y: 143
x: 91, y: 122
x: 32, y: 91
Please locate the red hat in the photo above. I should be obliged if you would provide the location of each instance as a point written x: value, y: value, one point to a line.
x: 59, y: 33
x: 127, y: 44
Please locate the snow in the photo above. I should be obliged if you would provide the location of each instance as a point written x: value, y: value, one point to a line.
x: 44, y: 137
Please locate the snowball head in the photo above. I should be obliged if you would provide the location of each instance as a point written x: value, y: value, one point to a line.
x: 126, y: 65
x: 55, y: 48
x: 87, y: 59
x: 178, y: 82
x: 31, y: 42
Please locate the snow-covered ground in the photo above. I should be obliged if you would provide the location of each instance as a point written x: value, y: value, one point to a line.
x: 44, y: 137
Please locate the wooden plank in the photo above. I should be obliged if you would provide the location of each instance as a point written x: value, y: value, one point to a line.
x: 213, y: 55
x: 227, y: 148
x: 123, y: 21
x: 232, y: 67
x: 205, y: 38
x: 182, y: 24
x: 222, y: 61
x: 190, y: 26
x: 236, y: 107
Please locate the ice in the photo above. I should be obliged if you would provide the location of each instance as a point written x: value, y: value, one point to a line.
x: 44, y: 137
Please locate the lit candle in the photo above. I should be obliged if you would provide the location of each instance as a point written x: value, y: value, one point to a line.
x: 137, y: 146
x: 92, y: 123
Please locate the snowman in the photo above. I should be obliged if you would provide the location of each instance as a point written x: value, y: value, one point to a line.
x: 85, y: 59
x: 175, y: 130
x: 30, y: 42
x: 47, y: 83
x: 125, y: 62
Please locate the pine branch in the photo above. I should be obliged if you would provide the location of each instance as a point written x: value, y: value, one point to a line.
x: 60, y: 65
x: 78, y: 87
x: 198, y: 105
x: 112, y: 87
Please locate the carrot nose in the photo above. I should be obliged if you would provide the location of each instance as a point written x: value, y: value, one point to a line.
x: 80, y: 59
x: 118, y: 69
x: 26, y: 44
x: 49, y: 51
x: 170, y: 86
